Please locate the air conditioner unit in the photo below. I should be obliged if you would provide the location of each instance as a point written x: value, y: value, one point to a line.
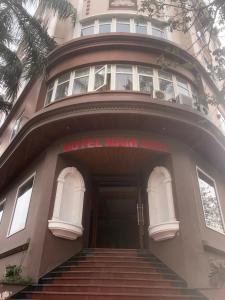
x: 160, y: 95
x: 185, y: 100
x: 204, y: 109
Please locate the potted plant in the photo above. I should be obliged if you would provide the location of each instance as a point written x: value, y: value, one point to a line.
x: 217, y: 273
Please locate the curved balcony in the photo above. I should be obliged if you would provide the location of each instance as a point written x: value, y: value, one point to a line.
x: 111, y: 111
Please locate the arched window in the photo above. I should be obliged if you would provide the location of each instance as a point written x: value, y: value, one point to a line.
x: 163, y: 223
x: 68, y: 209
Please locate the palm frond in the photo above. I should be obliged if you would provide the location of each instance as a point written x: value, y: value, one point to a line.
x: 4, y: 105
x: 10, y: 71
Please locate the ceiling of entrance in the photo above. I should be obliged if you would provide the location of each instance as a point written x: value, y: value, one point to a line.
x: 115, y: 160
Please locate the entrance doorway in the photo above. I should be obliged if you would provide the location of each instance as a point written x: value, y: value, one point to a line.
x: 117, y: 214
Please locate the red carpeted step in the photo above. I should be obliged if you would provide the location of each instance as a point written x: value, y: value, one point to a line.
x: 109, y: 296
x: 106, y: 280
x: 109, y: 274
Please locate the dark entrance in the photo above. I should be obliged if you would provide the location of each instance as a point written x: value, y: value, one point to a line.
x: 117, y: 220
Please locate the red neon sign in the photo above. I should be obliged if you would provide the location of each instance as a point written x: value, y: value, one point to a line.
x: 115, y: 142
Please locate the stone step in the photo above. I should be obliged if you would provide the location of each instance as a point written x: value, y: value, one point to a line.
x: 112, y: 257
x: 110, y: 288
x: 115, y: 274
x: 106, y: 263
x: 112, y: 267
x: 108, y: 296
x: 105, y: 280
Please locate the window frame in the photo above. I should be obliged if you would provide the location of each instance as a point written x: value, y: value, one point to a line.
x: 105, y: 68
x: 132, y: 74
x: 33, y: 175
x: 2, y: 203
x: 73, y: 77
x: 135, y: 80
x: 198, y: 169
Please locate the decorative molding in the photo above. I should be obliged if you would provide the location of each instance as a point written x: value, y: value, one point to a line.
x: 163, y: 223
x: 65, y: 230
x: 123, y: 4
x: 68, y: 208
x: 15, y: 250
x: 164, y: 231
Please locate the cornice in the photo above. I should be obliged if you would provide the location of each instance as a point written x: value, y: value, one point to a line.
x: 142, y: 114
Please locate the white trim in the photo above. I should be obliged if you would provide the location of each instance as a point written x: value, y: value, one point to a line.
x: 105, y: 77
x: 19, y: 118
x: 68, y: 226
x: 2, y: 203
x: 15, y: 202
x: 132, y: 20
x: 198, y: 169
x: 135, y: 77
x: 163, y: 226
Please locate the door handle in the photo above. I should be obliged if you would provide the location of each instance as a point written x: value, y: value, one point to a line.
x: 138, y: 216
x: 142, y: 214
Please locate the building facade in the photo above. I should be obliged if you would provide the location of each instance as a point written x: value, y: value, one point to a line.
x: 112, y: 150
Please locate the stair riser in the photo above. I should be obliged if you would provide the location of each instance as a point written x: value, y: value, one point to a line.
x: 110, y: 269
x: 113, y: 257
x: 110, y: 297
x: 102, y: 289
x: 114, y: 264
x: 116, y: 275
x: 114, y: 281
x: 115, y: 254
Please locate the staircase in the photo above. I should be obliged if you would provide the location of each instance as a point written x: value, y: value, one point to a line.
x: 111, y: 274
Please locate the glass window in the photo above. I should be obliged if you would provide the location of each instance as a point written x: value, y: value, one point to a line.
x: 194, y: 94
x: 62, y: 87
x: 158, y: 31
x: 145, y: 79
x: 101, y: 73
x: 210, y: 203
x: 2, y: 203
x: 16, y: 127
x: 80, y: 84
x: 182, y: 86
x: 141, y: 27
x: 87, y: 29
x: 49, y: 92
x: 21, y: 208
x: 105, y: 26
x: 166, y: 84
x: 124, y: 78
x: 123, y: 25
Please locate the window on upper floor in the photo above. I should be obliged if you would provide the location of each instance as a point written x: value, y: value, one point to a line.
x: 2, y: 204
x: 159, y: 31
x: 210, y: 202
x: 87, y: 29
x: 21, y: 207
x: 62, y: 86
x: 124, y: 24
x: 166, y: 84
x: 105, y: 25
x: 124, y: 77
x: 81, y: 80
x: 141, y: 27
x: 182, y: 86
x: 145, y: 79
x: 17, y: 125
